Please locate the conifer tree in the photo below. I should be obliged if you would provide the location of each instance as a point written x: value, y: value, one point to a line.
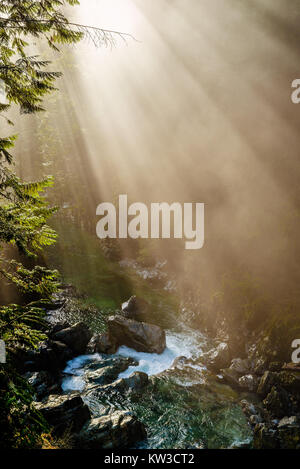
x: 25, y: 80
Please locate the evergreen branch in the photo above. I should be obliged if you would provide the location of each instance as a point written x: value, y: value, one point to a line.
x: 98, y: 36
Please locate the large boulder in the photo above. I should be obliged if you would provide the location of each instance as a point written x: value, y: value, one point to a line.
x: 135, y: 308
x: 114, y: 431
x: 102, y: 376
x: 109, y: 373
x: 238, y: 375
x: 76, y: 337
x: 218, y: 358
x: 102, y: 343
x: 66, y: 412
x: 50, y: 356
x: 135, y: 383
x: 140, y: 336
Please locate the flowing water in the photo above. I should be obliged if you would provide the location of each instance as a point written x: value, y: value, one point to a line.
x: 184, y: 407
x: 189, y: 344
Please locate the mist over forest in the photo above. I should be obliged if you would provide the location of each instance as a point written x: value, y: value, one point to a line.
x: 192, y: 105
x: 198, y: 110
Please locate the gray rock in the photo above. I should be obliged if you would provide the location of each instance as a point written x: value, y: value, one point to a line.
x: 180, y: 362
x: 136, y: 382
x: 118, y: 363
x: 240, y: 366
x: 218, y: 358
x: 102, y: 343
x: 109, y: 373
x: 248, y: 382
x: 241, y: 445
x: 114, y: 431
x: 231, y: 377
x: 249, y: 408
x: 135, y: 308
x: 66, y: 412
x: 260, y: 365
x: 266, y: 383
x: 255, y: 419
x: 233, y: 374
x: 75, y: 337
x: 252, y: 412
x: 102, y: 376
x: 141, y: 336
x: 288, y: 421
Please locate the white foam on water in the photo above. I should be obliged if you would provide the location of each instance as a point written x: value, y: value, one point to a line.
x: 187, y: 344
x: 73, y: 383
x: 75, y: 368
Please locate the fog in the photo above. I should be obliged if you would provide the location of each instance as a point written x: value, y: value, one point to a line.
x: 196, y: 109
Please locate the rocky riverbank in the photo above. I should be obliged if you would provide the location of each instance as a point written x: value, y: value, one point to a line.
x: 259, y: 370
x: 67, y: 412
x: 269, y: 394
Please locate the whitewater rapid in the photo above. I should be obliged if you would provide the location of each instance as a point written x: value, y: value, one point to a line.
x: 189, y: 344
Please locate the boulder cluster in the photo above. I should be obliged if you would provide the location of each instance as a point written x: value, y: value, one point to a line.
x: 275, y: 415
x: 270, y: 393
x: 68, y: 412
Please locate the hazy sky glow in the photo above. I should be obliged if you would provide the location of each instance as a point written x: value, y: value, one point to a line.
x: 198, y: 110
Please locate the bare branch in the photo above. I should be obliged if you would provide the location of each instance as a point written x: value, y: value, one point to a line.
x: 98, y: 36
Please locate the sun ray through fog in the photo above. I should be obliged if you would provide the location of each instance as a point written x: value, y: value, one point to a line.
x: 187, y: 112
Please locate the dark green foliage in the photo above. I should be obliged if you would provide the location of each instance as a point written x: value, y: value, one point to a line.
x: 20, y: 423
x: 20, y: 326
x: 25, y: 80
